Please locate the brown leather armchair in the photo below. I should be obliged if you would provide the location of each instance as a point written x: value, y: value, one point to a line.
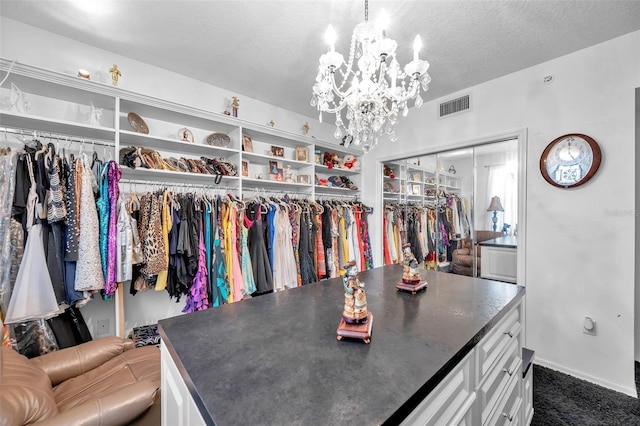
x: 462, y: 258
x: 106, y: 381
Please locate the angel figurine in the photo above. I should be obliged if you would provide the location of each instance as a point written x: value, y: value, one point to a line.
x: 355, y: 299
x: 115, y: 74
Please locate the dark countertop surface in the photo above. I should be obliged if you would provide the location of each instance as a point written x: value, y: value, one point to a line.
x: 275, y: 360
x: 509, y: 242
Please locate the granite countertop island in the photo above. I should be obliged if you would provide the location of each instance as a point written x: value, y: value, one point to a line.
x: 275, y: 360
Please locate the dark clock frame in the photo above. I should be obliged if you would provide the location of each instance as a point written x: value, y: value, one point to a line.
x: 597, y: 158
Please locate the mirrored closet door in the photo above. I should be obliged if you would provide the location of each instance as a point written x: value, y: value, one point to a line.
x: 452, y: 207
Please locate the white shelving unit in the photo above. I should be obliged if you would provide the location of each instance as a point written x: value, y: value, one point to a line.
x: 56, y: 104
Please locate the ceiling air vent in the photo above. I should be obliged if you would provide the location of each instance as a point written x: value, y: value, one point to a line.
x: 455, y: 106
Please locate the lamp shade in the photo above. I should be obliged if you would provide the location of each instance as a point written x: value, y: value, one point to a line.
x: 495, y: 205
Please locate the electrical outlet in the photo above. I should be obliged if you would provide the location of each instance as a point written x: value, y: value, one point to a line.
x: 102, y: 327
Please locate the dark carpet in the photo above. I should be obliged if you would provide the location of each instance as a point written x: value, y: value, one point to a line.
x: 559, y: 399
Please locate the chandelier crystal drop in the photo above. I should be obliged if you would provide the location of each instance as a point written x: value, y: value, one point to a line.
x: 373, y: 88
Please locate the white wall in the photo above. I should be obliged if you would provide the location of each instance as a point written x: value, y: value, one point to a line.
x: 579, y: 242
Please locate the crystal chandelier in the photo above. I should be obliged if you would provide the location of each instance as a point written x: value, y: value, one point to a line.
x: 379, y: 88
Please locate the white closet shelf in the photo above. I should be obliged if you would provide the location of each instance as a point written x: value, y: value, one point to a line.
x: 169, y: 176
x: 252, y: 183
x: 174, y: 145
x: 335, y: 189
x: 265, y: 159
x: 42, y: 124
x: 336, y: 170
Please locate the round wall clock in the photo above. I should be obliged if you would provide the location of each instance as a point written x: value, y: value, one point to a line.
x: 570, y: 160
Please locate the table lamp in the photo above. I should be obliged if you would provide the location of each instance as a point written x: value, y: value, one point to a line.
x: 495, y: 207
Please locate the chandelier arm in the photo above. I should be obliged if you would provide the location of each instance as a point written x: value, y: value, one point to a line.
x: 336, y: 89
x: 414, y: 86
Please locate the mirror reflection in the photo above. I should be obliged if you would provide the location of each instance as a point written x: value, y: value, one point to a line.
x: 452, y: 207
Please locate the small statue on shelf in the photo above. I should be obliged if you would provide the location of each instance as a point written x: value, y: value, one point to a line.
x: 235, y: 105
x: 288, y: 175
x: 306, y: 128
x: 410, y: 273
x: 355, y: 299
x: 115, y: 74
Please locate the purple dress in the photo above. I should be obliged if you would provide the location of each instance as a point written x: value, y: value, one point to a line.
x: 114, y: 175
x: 197, y: 299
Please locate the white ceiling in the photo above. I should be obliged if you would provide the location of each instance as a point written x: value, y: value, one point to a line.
x: 269, y: 50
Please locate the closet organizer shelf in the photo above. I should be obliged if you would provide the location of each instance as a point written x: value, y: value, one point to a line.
x: 336, y: 170
x: 266, y: 183
x: 168, y: 176
x: 42, y: 124
x: 264, y: 159
x: 166, y: 144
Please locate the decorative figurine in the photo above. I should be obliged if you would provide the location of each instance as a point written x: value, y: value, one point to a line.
x: 95, y: 116
x: 306, y: 128
x: 84, y: 74
x: 357, y: 320
x: 235, y: 104
x: 355, y: 298
x: 272, y: 123
x: 288, y: 176
x: 410, y: 273
x: 115, y: 74
x: 411, y: 280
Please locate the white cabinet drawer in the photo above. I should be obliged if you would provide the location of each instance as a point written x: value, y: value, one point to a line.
x: 527, y: 398
x: 495, y: 382
x: 495, y: 343
x: 451, y: 402
x: 507, y: 412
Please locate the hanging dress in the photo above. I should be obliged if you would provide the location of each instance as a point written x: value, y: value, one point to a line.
x: 247, y: 267
x: 258, y: 249
x: 33, y: 296
x: 113, y: 176
x: 238, y: 279
x: 284, y: 271
x: 197, y: 299
x: 89, y: 275
x: 102, y: 204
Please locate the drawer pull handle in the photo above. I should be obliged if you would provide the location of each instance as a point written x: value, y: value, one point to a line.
x: 510, y: 418
x: 509, y: 372
x: 508, y: 333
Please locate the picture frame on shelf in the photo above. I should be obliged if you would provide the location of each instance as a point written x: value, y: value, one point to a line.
x: 279, y: 176
x: 302, y: 154
x: 306, y: 179
x: 247, y: 143
x: 273, y: 167
x: 277, y: 151
x: 245, y: 168
x: 416, y: 189
x: 416, y: 176
x: 317, y: 156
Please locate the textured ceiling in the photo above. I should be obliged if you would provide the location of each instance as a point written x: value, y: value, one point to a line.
x: 269, y: 50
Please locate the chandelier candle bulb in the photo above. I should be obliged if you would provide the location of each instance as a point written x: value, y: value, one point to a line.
x: 417, y: 45
x: 330, y: 37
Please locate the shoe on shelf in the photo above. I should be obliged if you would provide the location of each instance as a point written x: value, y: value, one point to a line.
x: 347, y: 183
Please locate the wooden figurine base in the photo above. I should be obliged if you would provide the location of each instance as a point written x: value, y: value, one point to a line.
x: 356, y: 331
x: 413, y: 288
